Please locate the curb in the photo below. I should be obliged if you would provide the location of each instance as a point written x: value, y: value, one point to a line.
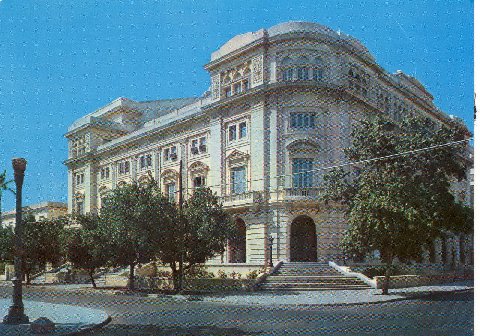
x: 346, y: 304
x: 90, y: 328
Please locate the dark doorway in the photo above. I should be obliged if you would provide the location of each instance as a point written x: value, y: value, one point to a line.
x: 303, y: 240
x: 237, y: 247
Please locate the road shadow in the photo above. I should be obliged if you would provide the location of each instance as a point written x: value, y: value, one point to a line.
x: 463, y: 296
x: 120, y: 330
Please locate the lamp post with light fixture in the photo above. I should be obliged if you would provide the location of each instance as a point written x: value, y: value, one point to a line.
x: 16, y: 314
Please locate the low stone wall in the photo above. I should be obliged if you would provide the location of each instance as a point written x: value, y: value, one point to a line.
x: 208, y: 285
x: 405, y: 281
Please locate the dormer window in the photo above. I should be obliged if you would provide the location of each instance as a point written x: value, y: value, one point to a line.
x: 170, y: 154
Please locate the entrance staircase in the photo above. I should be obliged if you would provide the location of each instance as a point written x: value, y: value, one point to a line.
x: 310, y: 276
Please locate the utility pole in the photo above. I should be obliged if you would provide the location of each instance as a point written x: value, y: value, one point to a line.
x: 180, y: 208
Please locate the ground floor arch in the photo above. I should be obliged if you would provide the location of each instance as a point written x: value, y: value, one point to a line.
x: 303, y: 240
x: 237, y: 247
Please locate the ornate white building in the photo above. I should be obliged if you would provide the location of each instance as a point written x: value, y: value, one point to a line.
x: 282, y: 103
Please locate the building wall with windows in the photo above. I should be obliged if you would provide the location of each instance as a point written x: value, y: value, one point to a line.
x: 41, y: 211
x: 281, y: 105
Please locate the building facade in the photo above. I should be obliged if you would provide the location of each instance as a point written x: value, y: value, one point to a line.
x: 282, y: 104
x: 41, y: 211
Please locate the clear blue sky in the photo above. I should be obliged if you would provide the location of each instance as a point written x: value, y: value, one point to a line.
x: 60, y: 60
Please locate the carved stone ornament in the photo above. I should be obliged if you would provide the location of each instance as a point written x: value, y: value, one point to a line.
x: 216, y: 86
x: 257, y: 69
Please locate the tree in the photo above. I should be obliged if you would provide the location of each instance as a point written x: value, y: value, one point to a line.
x: 87, y: 247
x: 4, y: 186
x: 200, y: 233
x: 399, y: 205
x: 6, y: 244
x: 136, y: 218
x: 41, y: 244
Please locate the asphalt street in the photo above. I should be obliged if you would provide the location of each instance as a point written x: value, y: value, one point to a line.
x: 441, y: 314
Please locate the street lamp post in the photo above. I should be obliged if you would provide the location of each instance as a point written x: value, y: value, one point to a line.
x: 16, y: 314
x: 270, y: 245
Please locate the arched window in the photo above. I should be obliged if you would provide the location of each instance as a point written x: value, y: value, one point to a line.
x: 237, y: 246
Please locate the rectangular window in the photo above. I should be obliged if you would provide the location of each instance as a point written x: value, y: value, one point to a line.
x: 203, y: 145
x: 302, y: 120
x: 246, y: 85
x: 194, y: 148
x: 242, y: 130
x: 287, y: 74
x: 302, y: 73
x: 170, y: 153
x: 317, y: 74
x: 124, y: 167
x: 237, y: 88
x: 232, y: 133
x: 238, y: 180
x: 228, y: 91
x: 171, y: 190
x: 80, y: 207
x: 302, y: 173
x: 199, y: 181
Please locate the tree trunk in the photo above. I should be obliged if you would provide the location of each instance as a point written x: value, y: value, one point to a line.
x: 175, y: 277
x: 92, y: 280
x: 131, y: 277
x: 386, y: 282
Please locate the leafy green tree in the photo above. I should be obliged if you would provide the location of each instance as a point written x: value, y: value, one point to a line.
x: 200, y: 233
x: 88, y: 246
x: 6, y: 244
x: 42, y: 244
x: 4, y: 186
x: 399, y: 205
x: 136, y: 218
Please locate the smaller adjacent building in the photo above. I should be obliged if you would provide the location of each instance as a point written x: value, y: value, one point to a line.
x: 41, y: 211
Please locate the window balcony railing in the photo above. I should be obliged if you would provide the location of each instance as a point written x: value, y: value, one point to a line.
x: 310, y: 192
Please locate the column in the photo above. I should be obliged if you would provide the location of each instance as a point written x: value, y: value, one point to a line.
x: 70, y: 191
x: 216, y: 178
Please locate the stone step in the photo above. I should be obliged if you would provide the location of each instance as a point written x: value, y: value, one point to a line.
x: 308, y: 289
x: 342, y: 281
x: 312, y: 285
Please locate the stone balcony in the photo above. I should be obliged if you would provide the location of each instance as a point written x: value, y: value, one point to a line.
x: 251, y: 198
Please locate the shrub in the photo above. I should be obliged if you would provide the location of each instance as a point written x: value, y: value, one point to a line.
x: 199, y: 272
x: 380, y: 271
x: 222, y: 274
x: 252, y: 275
x: 234, y: 275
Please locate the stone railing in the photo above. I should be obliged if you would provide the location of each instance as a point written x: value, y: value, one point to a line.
x: 246, y: 197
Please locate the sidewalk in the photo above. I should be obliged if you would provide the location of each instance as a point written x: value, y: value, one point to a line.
x: 68, y: 320
x: 339, y: 297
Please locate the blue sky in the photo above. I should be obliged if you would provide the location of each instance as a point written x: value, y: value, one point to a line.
x: 60, y: 60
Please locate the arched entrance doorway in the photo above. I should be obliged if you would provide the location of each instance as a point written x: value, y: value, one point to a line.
x: 237, y: 247
x: 303, y: 240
